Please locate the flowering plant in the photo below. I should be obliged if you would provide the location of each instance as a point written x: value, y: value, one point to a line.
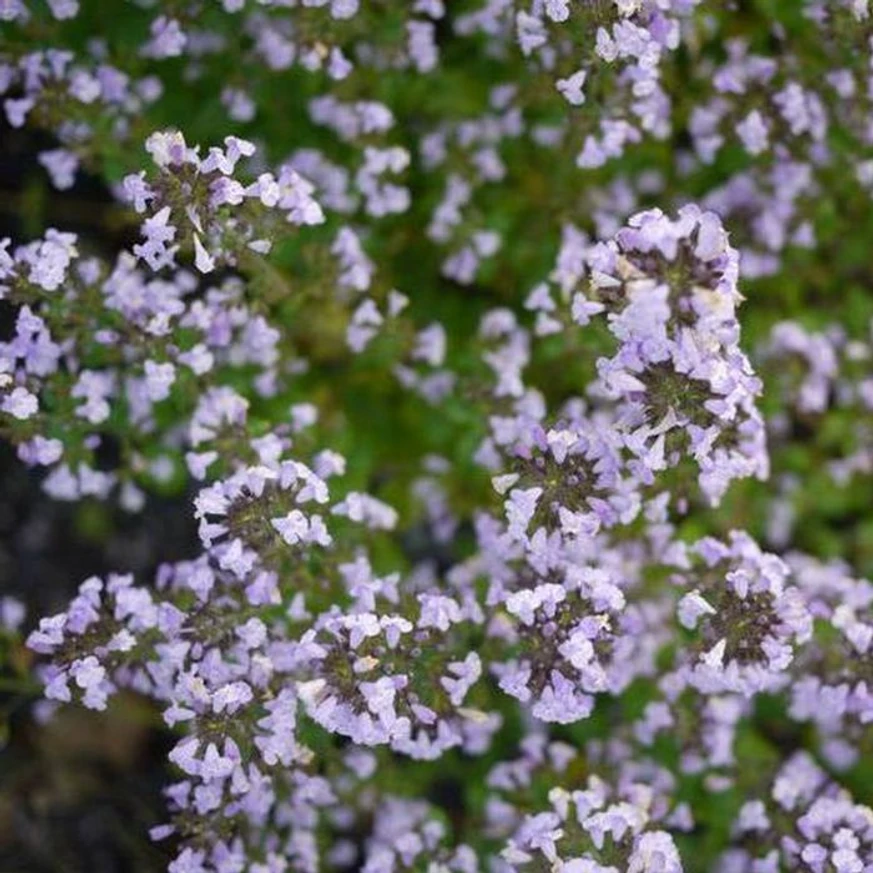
x: 503, y: 368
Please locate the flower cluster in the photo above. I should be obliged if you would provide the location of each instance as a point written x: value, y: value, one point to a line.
x: 193, y: 197
x: 820, y: 825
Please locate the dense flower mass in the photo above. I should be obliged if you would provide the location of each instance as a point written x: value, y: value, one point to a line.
x: 506, y: 369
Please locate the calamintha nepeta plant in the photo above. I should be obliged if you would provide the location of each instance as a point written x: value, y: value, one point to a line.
x: 432, y: 307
